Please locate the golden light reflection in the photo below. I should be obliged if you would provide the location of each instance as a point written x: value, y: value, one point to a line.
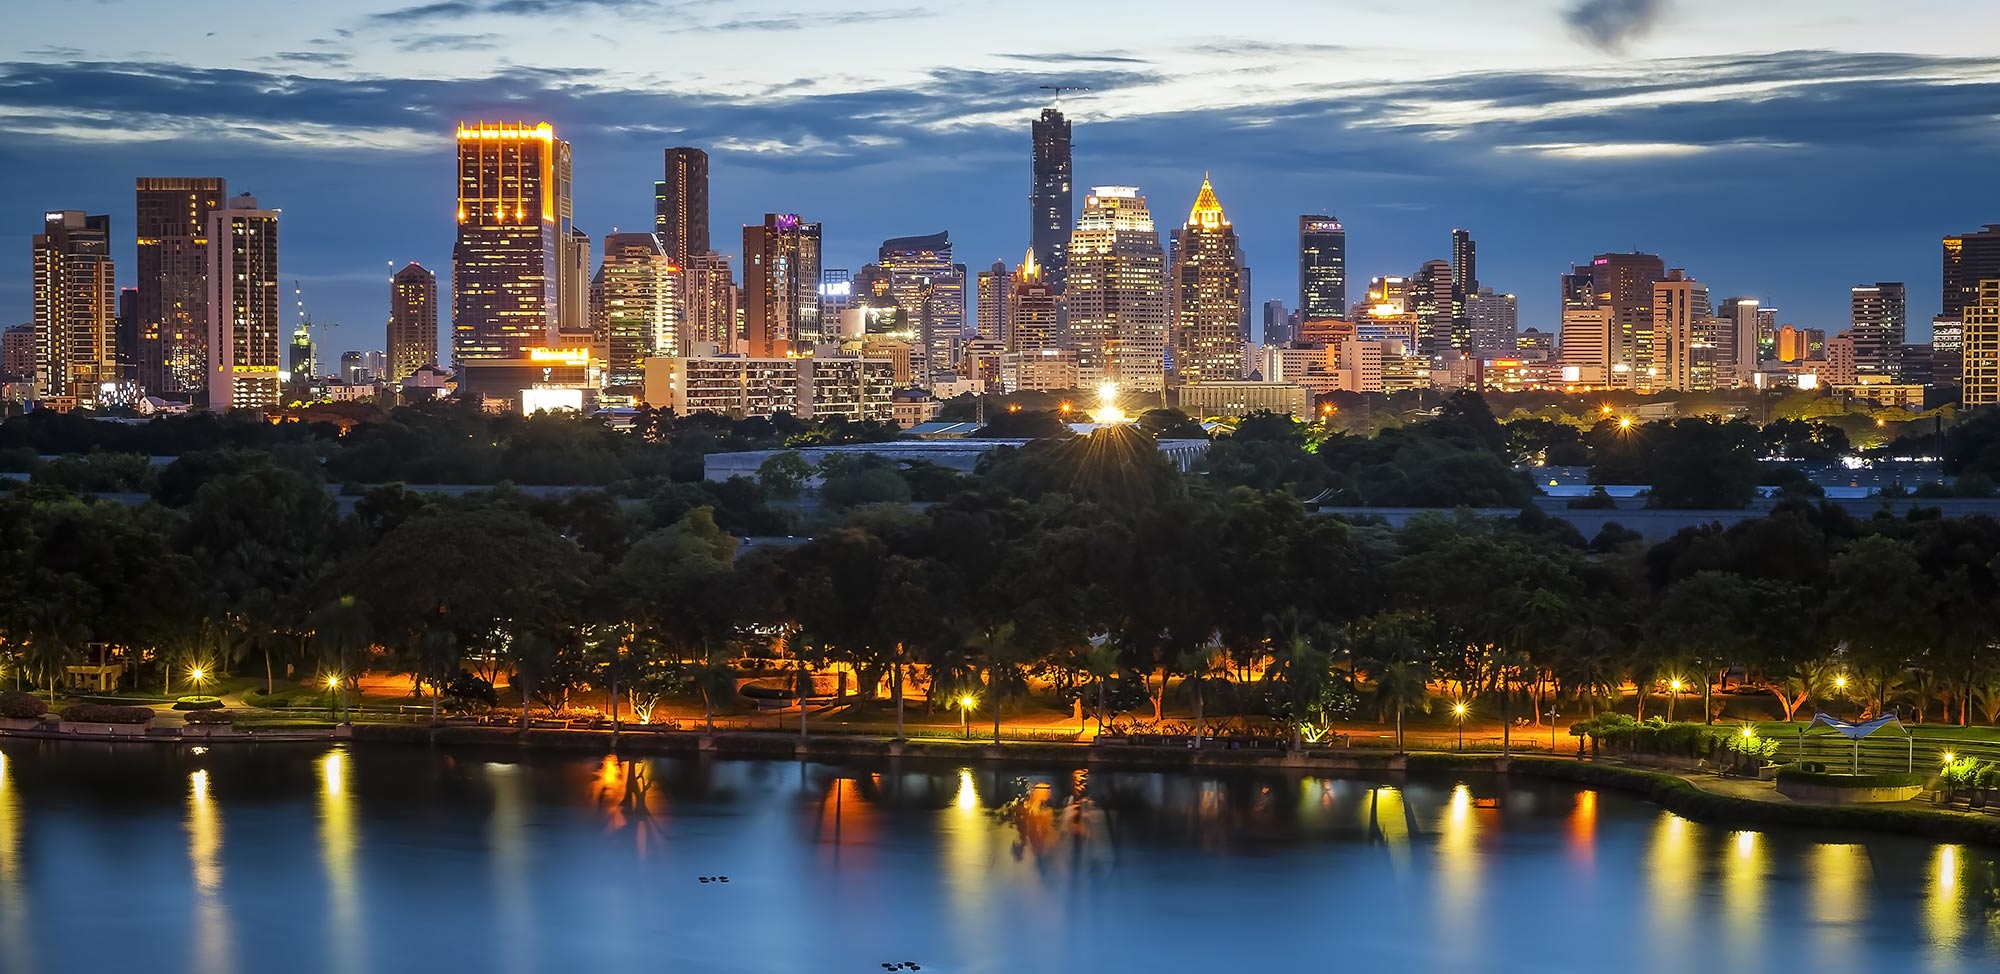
x: 337, y: 855
x: 1838, y: 870
x: 15, y: 952
x: 1944, y: 906
x: 1583, y: 828
x: 1744, y: 866
x: 1672, y: 878
x: 204, y: 829
x: 971, y: 846
x: 1388, y: 819
x: 968, y: 791
x: 511, y: 874
x: 1458, y: 887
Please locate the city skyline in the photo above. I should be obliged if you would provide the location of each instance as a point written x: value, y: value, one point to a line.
x: 1561, y: 144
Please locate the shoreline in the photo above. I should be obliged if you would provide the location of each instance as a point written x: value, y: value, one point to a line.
x: 1673, y: 792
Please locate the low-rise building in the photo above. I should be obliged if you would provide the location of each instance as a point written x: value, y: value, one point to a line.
x: 811, y: 388
x: 1236, y: 399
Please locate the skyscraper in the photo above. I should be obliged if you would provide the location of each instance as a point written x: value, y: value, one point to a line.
x: 1050, y: 204
x: 172, y: 228
x: 245, y: 318
x: 1624, y: 284
x: 641, y: 307
x: 836, y: 294
x: 1034, y: 311
x: 1464, y: 284
x: 1969, y: 258
x: 1878, y: 324
x: 1207, y: 282
x: 680, y: 205
x: 413, y: 321
x: 996, y: 289
x: 514, y: 244
x: 781, y: 259
x: 1492, y: 321
x: 931, y: 291
x: 1980, y: 345
x: 708, y: 287
x: 75, y: 298
x: 1117, y: 295
x: 573, y: 286
x: 1322, y: 269
x: 1431, y: 300
x: 1737, y: 343
x: 125, y: 334
x: 1683, y: 335
x: 1277, y: 323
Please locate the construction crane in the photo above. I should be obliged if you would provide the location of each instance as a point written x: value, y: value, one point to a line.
x: 1059, y: 89
x: 307, y: 324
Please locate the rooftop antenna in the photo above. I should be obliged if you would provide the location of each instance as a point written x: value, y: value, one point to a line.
x: 1059, y: 89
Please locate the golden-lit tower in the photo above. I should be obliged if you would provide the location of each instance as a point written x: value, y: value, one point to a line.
x: 75, y: 298
x: 171, y: 223
x: 245, y: 307
x: 413, y: 321
x: 514, y: 248
x: 1207, y: 280
x: 1117, y: 292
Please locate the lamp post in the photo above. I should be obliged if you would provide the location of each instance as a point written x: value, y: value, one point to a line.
x: 1458, y: 715
x: 336, y: 685
x: 1707, y: 678
x: 965, y: 704
x: 1673, y: 697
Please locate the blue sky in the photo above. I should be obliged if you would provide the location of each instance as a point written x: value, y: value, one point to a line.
x: 1784, y: 150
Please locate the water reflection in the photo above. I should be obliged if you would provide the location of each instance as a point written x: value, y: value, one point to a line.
x: 1458, y: 882
x: 204, y: 831
x: 345, y: 935
x: 1944, y: 906
x: 14, y: 947
x: 1671, y: 876
x: 1744, y: 863
x: 509, y: 871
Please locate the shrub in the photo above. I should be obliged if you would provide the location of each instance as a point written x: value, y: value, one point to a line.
x: 96, y: 713
x: 21, y: 706
x: 211, y: 717
x: 198, y: 703
x: 1893, y: 779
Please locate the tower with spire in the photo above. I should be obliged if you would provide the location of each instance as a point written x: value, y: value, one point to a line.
x: 1206, y: 280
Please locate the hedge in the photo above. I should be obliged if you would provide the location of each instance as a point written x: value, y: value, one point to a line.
x: 211, y: 716
x: 97, y: 713
x: 1887, y: 779
x: 21, y: 706
x: 198, y: 703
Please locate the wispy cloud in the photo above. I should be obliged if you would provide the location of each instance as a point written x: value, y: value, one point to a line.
x: 419, y: 43
x: 807, y: 21
x: 462, y: 9
x: 1610, y: 25
x: 324, y: 59
x: 1111, y: 57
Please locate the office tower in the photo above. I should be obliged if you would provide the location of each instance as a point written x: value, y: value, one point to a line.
x: 680, y: 205
x: 75, y: 298
x: 1624, y: 283
x: 573, y: 287
x: 781, y: 286
x: 17, y: 354
x: 1492, y: 320
x: 1947, y: 350
x: 353, y: 368
x: 1980, y: 345
x: 245, y: 324
x: 1684, y: 355
x: 1322, y: 268
x: 1767, y: 333
x: 1034, y: 310
x: 641, y: 307
x: 931, y: 291
x: 1050, y: 206
x: 1535, y: 344
x: 1737, y: 343
x: 514, y: 246
x: 125, y: 334
x: 1840, y: 360
x: 996, y: 289
x: 709, y: 303
x: 836, y: 294
x: 1208, y: 302
x: 413, y: 321
x: 172, y: 268
x: 299, y: 359
x: 1579, y: 291
x: 1586, y: 345
x: 1877, y: 329
x: 1969, y: 258
x: 1431, y: 300
x: 1277, y: 323
x: 1117, y: 292
x: 1391, y: 291
x: 1464, y: 284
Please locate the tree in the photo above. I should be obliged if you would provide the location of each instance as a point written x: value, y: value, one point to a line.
x: 340, y: 628
x: 1393, y: 650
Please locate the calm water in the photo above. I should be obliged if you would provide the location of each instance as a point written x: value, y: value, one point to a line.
x: 370, y: 860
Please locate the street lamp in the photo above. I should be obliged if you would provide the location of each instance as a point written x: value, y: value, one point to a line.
x: 1458, y: 714
x: 1673, y: 685
x: 333, y: 683
x: 195, y: 677
x: 1624, y: 422
x: 965, y: 704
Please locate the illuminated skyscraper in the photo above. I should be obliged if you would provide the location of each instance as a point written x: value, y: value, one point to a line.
x: 996, y: 289
x: 1623, y: 283
x: 1431, y: 300
x: 1117, y: 293
x: 1683, y: 335
x: 1877, y: 330
x: 514, y: 245
x: 931, y: 291
x: 246, y: 330
x: 1969, y: 258
x: 781, y: 259
x: 1322, y: 269
x: 1980, y: 345
x: 1207, y: 282
x: 1034, y: 311
x: 1050, y: 205
x: 1737, y: 342
x: 75, y: 298
x: 1464, y: 284
x: 641, y: 307
x: 708, y: 286
x: 413, y: 321
x: 1492, y: 321
x: 680, y: 205
x: 172, y: 228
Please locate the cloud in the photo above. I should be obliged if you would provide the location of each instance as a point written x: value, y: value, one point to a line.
x: 422, y: 43
x: 325, y: 59
x: 462, y: 9
x: 1105, y: 58
x: 1609, y: 25
x: 805, y: 21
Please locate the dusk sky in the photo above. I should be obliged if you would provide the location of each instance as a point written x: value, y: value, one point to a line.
x: 1783, y: 150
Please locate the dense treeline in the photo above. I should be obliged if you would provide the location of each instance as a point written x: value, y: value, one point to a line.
x: 1083, y: 566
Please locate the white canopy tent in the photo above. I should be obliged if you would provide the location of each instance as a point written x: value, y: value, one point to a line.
x: 1855, y: 732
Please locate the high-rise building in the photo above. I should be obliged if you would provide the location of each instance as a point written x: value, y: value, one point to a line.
x: 1492, y: 321
x: 1980, y: 383
x: 1586, y: 345
x: 1682, y: 342
x: 125, y: 334
x: 1208, y: 295
x: 781, y: 259
x: 75, y: 298
x: 172, y: 228
x: 1117, y: 293
x: 680, y: 205
x: 17, y: 354
x: 1947, y: 350
x: 1464, y: 283
x: 836, y: 294
x: 930, y: 289
x: 245, y: 317
x: 1322, y: 268
x: 1737, y: 356
x: 1877, y: 329
x: 413, y: 321
x: 514, y: 247
x: 1277, y: 323
x: 1969, y: 258
x: 1624, y: 283
x: 1392, y: 291
x: 1431, y: 299
x: 641, y: 307
x: 1050, y: 205
x: 573, y: 323
x: 996, y: 289
x: 709, y: 305
x: 1840, y: 362
x: 1034, y: 311
x: 301, y: 362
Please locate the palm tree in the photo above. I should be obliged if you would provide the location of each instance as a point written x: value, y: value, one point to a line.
x: 1004, y: 656
x: 1199, y: 667
x: 1101, y: 662
x: 340, y: 628
x: 1402, y: 685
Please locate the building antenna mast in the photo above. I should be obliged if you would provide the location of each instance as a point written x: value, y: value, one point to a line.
x: 1059, y: 89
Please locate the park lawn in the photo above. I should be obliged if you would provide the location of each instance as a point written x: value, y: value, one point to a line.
x: 1933, y: 731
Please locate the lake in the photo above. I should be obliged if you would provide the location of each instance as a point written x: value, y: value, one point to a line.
x: 381, y: 859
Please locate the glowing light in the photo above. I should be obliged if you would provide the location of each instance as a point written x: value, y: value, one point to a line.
x: 1949, y: 757
x: 333, y: 771
x: 1675, y: 685
x: 1624, y: 422
x: 1458, y: 710
x: 559, y: 356
x: 1107, y: 412
x: 1840, y: 682
x: 333, y: 681
x: 967, y: 701
x: 1747, y: 732
x: 968, y: 791
x: 197, y: 675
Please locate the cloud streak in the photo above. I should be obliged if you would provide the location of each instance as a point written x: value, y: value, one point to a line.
x: 1611, y: 25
